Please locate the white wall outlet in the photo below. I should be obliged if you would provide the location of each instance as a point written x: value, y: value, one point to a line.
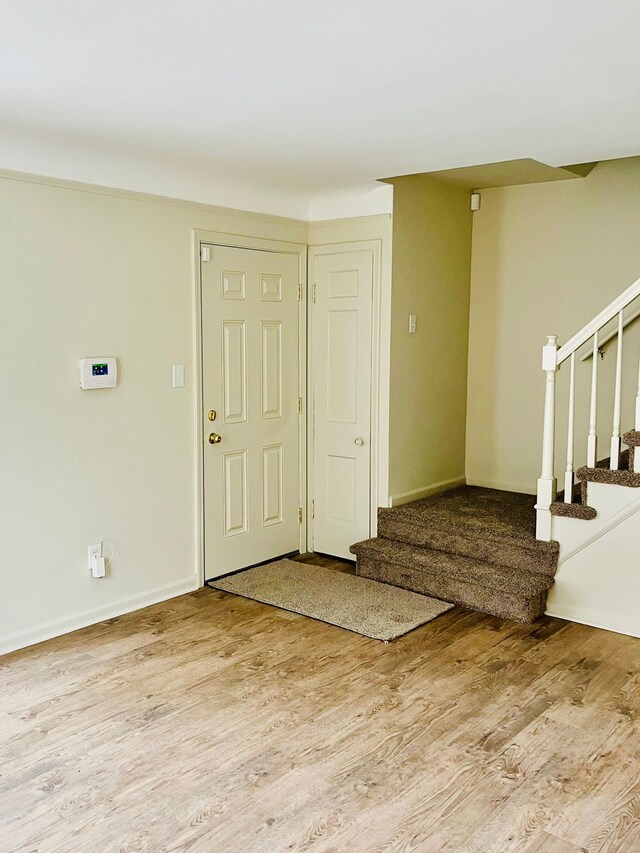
x: 412, y: 324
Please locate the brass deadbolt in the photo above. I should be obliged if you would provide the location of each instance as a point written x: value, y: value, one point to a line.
x: 211, y: 414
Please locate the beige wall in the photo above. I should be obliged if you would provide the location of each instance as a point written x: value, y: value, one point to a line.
x: 86, y: 272
x: 546, y: 258
x: 428, y: 383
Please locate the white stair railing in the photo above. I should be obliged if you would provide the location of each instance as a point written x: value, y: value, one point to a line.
x: 569, y: 472
x: 592, y: 438
x: 637, y: 423
x: 617, y: 399
x: 552, y: 358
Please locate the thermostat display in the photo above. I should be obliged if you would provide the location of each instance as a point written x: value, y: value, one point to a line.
x: 99, y: 372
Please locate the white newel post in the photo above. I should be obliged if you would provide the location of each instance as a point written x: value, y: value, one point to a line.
x: 547, y: 484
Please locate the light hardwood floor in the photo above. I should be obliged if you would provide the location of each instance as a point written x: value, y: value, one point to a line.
x: 213, y: 723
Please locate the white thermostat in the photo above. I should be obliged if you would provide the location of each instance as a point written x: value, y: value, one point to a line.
x: 98, y: 372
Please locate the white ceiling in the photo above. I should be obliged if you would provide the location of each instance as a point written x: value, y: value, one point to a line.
x: 287, y: 99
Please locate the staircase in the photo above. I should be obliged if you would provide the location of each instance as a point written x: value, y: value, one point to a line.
x: 474, y: 547
x: 575, y: 555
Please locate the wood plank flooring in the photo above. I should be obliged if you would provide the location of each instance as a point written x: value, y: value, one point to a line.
x: 214, y: 723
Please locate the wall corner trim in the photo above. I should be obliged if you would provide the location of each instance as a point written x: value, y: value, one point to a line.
x: 521, y: 487
x: 426, y: 491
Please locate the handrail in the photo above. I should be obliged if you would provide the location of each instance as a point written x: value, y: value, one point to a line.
x: 625, y: 298
x: 552, y: 357
x: 614, y: 334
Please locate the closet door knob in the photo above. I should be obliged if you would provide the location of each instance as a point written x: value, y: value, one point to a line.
x: 358, y: 442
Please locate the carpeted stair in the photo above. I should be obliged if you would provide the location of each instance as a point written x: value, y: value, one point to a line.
x: 471, y: 546
x: 624, y: 476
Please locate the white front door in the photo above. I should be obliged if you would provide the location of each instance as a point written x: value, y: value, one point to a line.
x: 250, y: 352
x: 342, y: 283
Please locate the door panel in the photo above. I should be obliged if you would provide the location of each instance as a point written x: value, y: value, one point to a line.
x: 234, y: 367
x: 271, y: 368
x: 342, y: 371
x: 342, y: 366
x: 235, y: 493
x: 272, y: 484
x: 250, y: 352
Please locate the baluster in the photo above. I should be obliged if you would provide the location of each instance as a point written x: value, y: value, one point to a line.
x: 592, y: 440
x: 547, y: 482
x: 637, y: 425
x: 615, y: 435
x: 568, y: 477
x: 635, y: 451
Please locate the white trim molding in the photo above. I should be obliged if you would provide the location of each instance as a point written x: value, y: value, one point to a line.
x: 523, y: 487
x: 426, y: 491
x: 58, y: 627
x: 595, y: 619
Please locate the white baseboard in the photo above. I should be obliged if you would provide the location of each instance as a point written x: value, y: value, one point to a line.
x: 57, y: 627
x: 524, y: 488
x: 595, y: 619
x: 426, y: 491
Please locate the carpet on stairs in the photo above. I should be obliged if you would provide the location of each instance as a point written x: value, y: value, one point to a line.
x: 472, y: 546
x: 624, y: 475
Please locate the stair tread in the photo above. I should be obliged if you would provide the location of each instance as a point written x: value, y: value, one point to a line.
x: 488, y: 511
x: 622, y: 477
x: 429, y: 560
x: 488, y: 517
x: 503, y: 552
x: 573, y: 510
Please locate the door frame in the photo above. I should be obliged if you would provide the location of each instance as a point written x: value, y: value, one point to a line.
x: 375, y: 246
x: 239, y: 241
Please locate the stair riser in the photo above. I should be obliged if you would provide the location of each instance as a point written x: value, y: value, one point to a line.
x: 504, y: 553
x: 470, y: 595
x: 454, y: 566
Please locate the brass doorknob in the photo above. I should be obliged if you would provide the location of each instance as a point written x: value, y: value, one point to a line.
x: 214, y: 438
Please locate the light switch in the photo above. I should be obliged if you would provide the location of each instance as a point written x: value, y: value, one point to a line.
x: 412, y: 324
x: 178, y: 375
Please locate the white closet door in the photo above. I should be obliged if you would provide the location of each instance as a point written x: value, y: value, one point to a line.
x: 342, y: 370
